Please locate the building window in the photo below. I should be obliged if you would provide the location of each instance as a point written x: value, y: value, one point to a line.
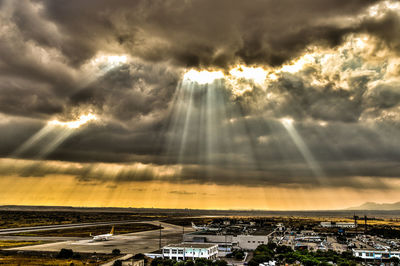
x: 166, y: 251
x: 174, y: 251
x: 180, y: 251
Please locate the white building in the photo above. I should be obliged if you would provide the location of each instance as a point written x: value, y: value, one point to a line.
x: 186, y: 251
x: 338, y: 225
x: 375, y: 254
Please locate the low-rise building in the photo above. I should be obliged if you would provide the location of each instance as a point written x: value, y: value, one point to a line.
x: 186, y: 251
x: 338, y: 224
x: 133, y: 262
x: 308, y: 233
x: 155, y: 254
x: 372, y: 254
x: 246, y: 242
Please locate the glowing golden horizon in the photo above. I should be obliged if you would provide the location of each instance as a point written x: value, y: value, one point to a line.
x: 65, y: 190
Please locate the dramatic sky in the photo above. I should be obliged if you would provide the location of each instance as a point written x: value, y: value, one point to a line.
x: 226, y: 104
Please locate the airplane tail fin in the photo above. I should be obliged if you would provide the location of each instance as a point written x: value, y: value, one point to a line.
x: 193, y: 224
x: 90, y: 234
x: 112, y: 230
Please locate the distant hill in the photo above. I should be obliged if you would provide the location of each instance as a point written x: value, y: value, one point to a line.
x: 377, y: 206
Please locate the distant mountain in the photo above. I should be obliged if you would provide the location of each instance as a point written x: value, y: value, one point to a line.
x: 377, y: 206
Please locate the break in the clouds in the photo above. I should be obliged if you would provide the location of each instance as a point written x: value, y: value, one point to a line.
x: 258, y: 93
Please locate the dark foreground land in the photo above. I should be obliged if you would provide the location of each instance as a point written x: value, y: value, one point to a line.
x: 53, y: 258
x: 383, y: 224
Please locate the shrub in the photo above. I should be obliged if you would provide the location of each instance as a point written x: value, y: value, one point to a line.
x: 189, y: 263
x: 239, y: 255
x: 220, y: 263
x: 65, y: 253
x: 116, y: 252
x: 117, y: 263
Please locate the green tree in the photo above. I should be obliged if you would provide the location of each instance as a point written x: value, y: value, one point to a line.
x: 220, y: 263
x: 202, y: 262
x: 239, y: 255
x: 272, y: 246
x: 395, y: 260
x: 283, y: 249
x: 189, y: 263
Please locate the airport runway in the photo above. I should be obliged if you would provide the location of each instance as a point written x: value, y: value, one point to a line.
x: 63, y: 226
x: 134, y: 243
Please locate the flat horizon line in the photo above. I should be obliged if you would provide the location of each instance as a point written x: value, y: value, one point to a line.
x: 185, y: 209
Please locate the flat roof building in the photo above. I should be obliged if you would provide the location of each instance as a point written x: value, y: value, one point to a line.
x: 338, y: 225
x: 192, y: 251
x: 133, y: 262
x: 227, y: 242
x: 373, y: 254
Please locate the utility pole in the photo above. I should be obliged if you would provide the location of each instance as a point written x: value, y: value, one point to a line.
x: 355, y: 222
x: 159, y: 243
x: 365, y: 224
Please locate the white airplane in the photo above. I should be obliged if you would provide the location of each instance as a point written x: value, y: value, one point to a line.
x: 104, y: 236
x: 206, y: 228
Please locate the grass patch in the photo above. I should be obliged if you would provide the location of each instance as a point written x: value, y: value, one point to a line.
x: 14, y: 243
x: 12, y: 219
x: 50, y: 258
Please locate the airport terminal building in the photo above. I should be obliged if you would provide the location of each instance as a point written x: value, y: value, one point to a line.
x: 186, y: 251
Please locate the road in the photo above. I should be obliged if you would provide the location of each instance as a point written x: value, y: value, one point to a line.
x: 134, y: 243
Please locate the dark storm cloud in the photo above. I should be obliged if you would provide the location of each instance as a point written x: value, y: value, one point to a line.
x: 47, y: 47
x: 194, y: 33
x: 384, y: 96
x: 299, y: 99
x: 28, y: 98
x: 130, y: 90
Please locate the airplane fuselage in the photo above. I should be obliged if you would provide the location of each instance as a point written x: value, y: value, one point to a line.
x: 102, y: 237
